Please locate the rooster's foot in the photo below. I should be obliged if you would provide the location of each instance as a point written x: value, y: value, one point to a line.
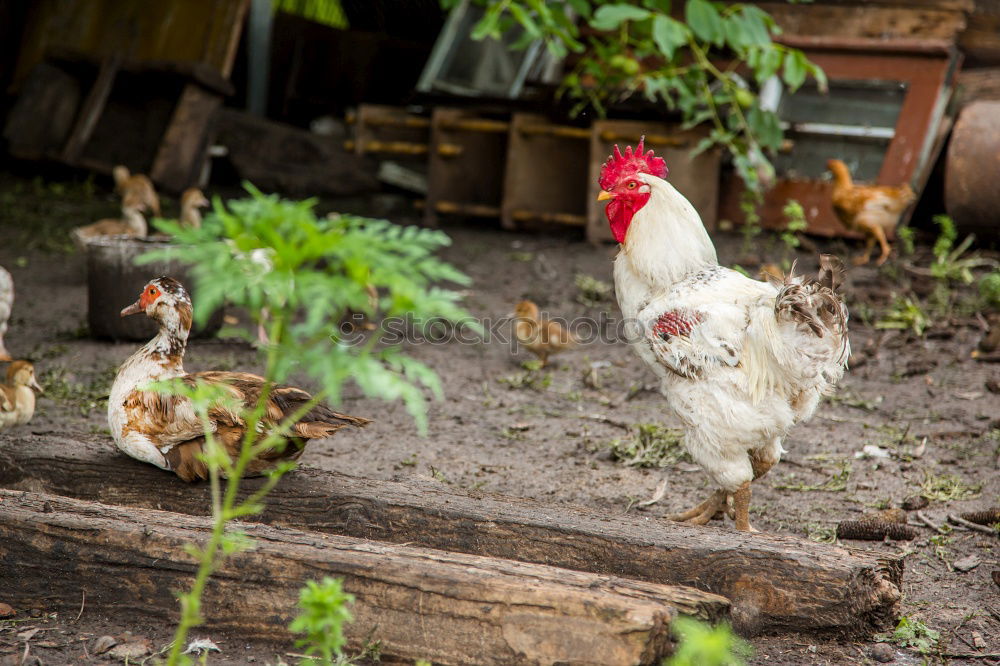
x: 705, y: 511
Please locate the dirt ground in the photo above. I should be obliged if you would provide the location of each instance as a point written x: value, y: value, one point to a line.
x: 547, y: 434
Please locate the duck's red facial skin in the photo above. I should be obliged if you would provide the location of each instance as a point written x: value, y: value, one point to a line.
x: 626, y: 199
x: 149, y: 296
x: 620, y: 182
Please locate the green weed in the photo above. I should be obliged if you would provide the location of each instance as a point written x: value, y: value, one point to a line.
x: 947, y: 488
x: 701, y: 644
x: 649, y: 445
x: 912, y: 633
x: 591, y: 291
x: 905, y: 314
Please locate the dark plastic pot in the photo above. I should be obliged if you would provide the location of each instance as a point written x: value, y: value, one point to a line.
x: 114, y: 281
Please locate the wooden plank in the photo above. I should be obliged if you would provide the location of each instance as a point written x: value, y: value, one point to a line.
x: 419, y: 603
x: 697, y: 178
x: 184, y: 147
x: 868, y: 20
x: 775, y: 583
x: 194, y: 31
x: 91, y: 110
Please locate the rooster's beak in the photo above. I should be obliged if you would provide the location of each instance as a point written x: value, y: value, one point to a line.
x: 135, y: 308
x: 604, y: 195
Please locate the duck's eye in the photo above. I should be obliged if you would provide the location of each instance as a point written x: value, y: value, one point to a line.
x: 631, y: 185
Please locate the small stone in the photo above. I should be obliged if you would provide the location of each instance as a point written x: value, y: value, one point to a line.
x: 131, y: 650
x: 995, y: 575
x: 882, y: 653
x: 35, y: 612
x: 6, y: 610
x: 103, y: 644
x: 966, y: 563
x: 977, y: 640
x: 915, y: 503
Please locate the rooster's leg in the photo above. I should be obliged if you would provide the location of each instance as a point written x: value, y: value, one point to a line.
x: 702, y: 513
x: 741, y: 507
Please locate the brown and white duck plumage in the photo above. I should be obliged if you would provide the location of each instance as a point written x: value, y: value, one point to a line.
x: 165, y: 431
x: 17, y: 397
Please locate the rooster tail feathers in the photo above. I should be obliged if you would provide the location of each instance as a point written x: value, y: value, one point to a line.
x: 815, y: 304
x: 831, y: 272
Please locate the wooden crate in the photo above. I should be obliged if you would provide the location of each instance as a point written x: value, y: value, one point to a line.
x: 547, y: 168
x: 465, y: 165
x: 697, y: 178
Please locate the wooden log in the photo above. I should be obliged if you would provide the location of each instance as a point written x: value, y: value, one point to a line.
x: 775, y: 583
x: 420, y: 603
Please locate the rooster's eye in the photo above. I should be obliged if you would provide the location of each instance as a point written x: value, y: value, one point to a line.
x: 631, y: 185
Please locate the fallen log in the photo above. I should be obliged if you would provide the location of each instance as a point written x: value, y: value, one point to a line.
x: 775, y: 583
x: 420, y: 603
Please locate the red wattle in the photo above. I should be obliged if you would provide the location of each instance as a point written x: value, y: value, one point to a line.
x: 620, y: 211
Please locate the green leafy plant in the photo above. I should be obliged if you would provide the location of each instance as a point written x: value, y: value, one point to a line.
x: 989, y: 289
x: 701, y: 644
x: 649, y: 445
x: 905, y: 314
x: 323, y: 613
x: 907, y: 238
x: 911, y: 632
x: 949, y: 264
x: 641, y: 49
x: 795, y: 223
x: 309, y: 273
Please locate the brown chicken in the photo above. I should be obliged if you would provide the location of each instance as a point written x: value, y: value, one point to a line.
x: 539, y: 335
x: 136, y: 190
x: 873, y: 210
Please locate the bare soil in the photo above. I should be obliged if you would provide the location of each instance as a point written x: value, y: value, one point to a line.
x: 547, y: 434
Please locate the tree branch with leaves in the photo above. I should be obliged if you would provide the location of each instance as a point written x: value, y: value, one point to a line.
x: 708, y: 67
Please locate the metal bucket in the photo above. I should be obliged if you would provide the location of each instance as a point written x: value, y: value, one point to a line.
x: 114, y: 281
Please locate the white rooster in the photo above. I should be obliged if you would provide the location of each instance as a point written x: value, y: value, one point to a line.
x: 741, y: 361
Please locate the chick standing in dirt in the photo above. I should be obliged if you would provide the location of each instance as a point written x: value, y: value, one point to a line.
x: 539, y: 335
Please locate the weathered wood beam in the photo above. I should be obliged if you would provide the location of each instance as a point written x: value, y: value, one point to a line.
x: 775, y: 583
x: 420, y: 603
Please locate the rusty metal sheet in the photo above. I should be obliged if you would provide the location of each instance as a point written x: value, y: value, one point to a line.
x: 927, y: 77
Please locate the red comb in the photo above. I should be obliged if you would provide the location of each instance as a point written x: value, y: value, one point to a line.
x: 621, y: 166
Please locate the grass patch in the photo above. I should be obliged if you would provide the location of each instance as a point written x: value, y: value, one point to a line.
x: 821, y: 533
x: 591, y: 291
x: 836, y: 483
x: 947, y: 488
x: 86, y: 397
x: 531, y: 377
x: 649, y: 445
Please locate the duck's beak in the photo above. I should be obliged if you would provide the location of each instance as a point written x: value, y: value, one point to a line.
x: 135, y: 308
x: 35, y: 385
x: 605, y: 195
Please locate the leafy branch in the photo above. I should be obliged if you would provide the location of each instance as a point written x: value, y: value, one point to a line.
x: 709, y: 67
x: 307, y: 274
